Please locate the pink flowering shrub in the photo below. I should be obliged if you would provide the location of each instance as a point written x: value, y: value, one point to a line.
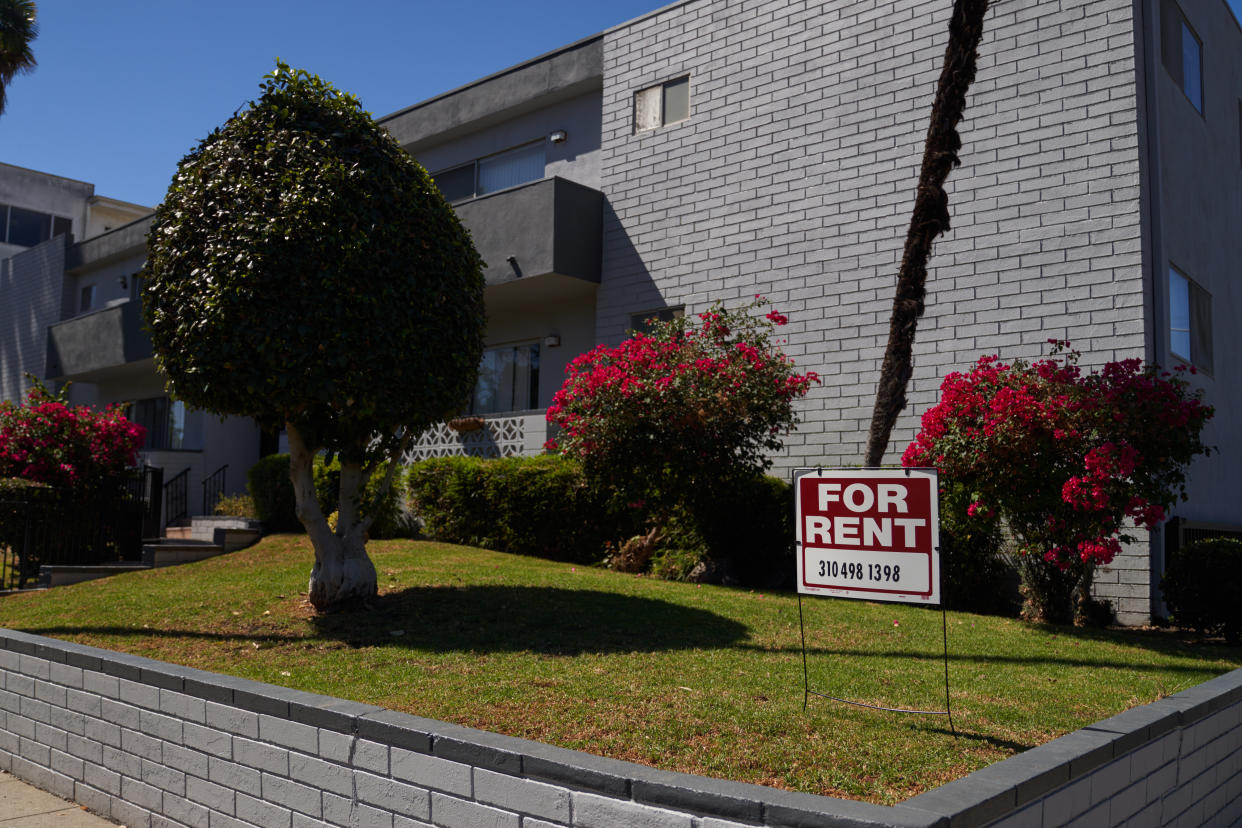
x: 1067, y: 460
x: 68, y: 448
x: 694, y: 401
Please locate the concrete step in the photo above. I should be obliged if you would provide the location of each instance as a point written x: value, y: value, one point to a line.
x: 172, y: 552
x: 64, y: 574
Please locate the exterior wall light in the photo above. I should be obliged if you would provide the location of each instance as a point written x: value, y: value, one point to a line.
x: 559, y: 136
x: 553, y: 341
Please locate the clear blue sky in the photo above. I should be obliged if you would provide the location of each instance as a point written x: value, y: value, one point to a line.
x: 125, y: 88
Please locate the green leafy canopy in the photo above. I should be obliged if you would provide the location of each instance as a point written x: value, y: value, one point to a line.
x: 304, y: 269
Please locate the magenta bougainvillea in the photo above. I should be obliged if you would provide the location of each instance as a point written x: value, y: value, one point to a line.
x: 66, y: 447
x: 691, y: 400
x: 1068, y: 459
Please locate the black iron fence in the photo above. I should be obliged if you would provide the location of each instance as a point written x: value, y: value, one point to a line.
x: 46, y: 527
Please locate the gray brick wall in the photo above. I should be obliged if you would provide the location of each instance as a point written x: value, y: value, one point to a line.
x: 794, y: 178
x: 795, y: 175
x: 151, y: 744
x: 30, y: 301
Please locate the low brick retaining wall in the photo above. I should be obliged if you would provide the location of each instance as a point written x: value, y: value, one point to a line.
x: 153, y: 744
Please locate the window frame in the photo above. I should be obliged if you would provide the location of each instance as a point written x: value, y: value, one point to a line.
x: 532, y: 389
x: 474, y: 164
x: 6, y: 216
x: 1174, y: 26
x: 640, y: 322
x: 663, y: 88
x: 1198, y: 331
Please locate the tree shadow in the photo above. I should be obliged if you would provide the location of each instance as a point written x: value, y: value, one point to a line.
x: 545, y: 620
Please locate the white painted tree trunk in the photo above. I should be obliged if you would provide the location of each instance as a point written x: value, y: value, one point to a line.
x: 342, y: 568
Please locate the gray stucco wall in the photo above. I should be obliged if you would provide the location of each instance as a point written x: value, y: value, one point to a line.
x: 30, y: 300
x: 576, y: 159
x: 153, y: 745
x: 46, y: 193
x: 1196, y: 164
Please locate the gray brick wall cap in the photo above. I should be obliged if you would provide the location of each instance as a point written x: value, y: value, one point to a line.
x: 20, y: 642
x: 969, y: 800
x: 787, y: 809
x: 1204, y: 699
x: 396, y: 730
x: 329, y: 713
x: 78, y: 655
x: 1141, y: 724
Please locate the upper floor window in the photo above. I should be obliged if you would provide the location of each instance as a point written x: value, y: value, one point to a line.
x: 493, y: 172
x: 30, y: 227
x: 86, y: 300
x: 508, y: 380
x: 1182, y: 51
x: 1190, y: 320
x: 657, y: 106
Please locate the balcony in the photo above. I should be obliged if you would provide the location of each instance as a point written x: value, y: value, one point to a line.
x: 98, y: 345
x: 547, y: 227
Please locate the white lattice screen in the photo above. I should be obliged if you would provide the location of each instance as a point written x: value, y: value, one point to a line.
x: 499, y: 437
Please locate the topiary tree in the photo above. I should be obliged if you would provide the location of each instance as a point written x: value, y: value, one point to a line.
x: 303, y: 270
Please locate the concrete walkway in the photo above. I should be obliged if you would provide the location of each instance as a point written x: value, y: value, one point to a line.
x: 25, y: 806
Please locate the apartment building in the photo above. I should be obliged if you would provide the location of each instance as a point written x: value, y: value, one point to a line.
x: 715, y: 149
x: 70, y: 313
x: 734, y: 148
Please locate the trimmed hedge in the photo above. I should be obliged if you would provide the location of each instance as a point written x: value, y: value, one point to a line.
x: 269, y: 486
x: 538, y: 506
x: 1201, y: 585
x: 543, y: 506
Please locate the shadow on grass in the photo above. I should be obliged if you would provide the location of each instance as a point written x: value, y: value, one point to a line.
x: 547, y: 620
x: 956, y: 658
x: 486, y: 619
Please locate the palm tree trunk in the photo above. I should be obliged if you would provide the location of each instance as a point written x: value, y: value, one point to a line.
x: 929, y: 220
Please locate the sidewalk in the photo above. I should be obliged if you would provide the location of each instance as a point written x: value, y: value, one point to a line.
x: 25, y: 806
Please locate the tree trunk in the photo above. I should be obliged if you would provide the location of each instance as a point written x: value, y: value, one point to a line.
x: 929, y: 220
x: 342, y: 568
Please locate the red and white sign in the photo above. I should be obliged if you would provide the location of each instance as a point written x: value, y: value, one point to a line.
x: 868, y: 533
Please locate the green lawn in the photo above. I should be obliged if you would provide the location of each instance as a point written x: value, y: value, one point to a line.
x: 692, y: 678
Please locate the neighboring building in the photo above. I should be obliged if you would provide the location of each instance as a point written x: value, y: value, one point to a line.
x: 715, y: 150
x: 69, y: 312
x: 730, y: 149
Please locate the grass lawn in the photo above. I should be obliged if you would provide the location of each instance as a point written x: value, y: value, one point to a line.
x: 692, y: 678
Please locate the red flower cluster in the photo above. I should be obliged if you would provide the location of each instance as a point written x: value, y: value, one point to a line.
x: 50, y: 442
x: 1065, y: 457
x: 686, y: 397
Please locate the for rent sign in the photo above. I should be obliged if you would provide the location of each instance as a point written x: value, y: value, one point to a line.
x: 868, y: 533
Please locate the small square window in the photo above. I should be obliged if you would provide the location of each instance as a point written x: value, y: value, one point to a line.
x: 642, y: 323
x: 1182, y: 51
x: 1190, y: 321
x: 87, y: 300
x: 657, y: 106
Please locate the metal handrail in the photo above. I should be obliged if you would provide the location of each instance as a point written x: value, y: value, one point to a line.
x: 213, y: 489
x: 176, y: 496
